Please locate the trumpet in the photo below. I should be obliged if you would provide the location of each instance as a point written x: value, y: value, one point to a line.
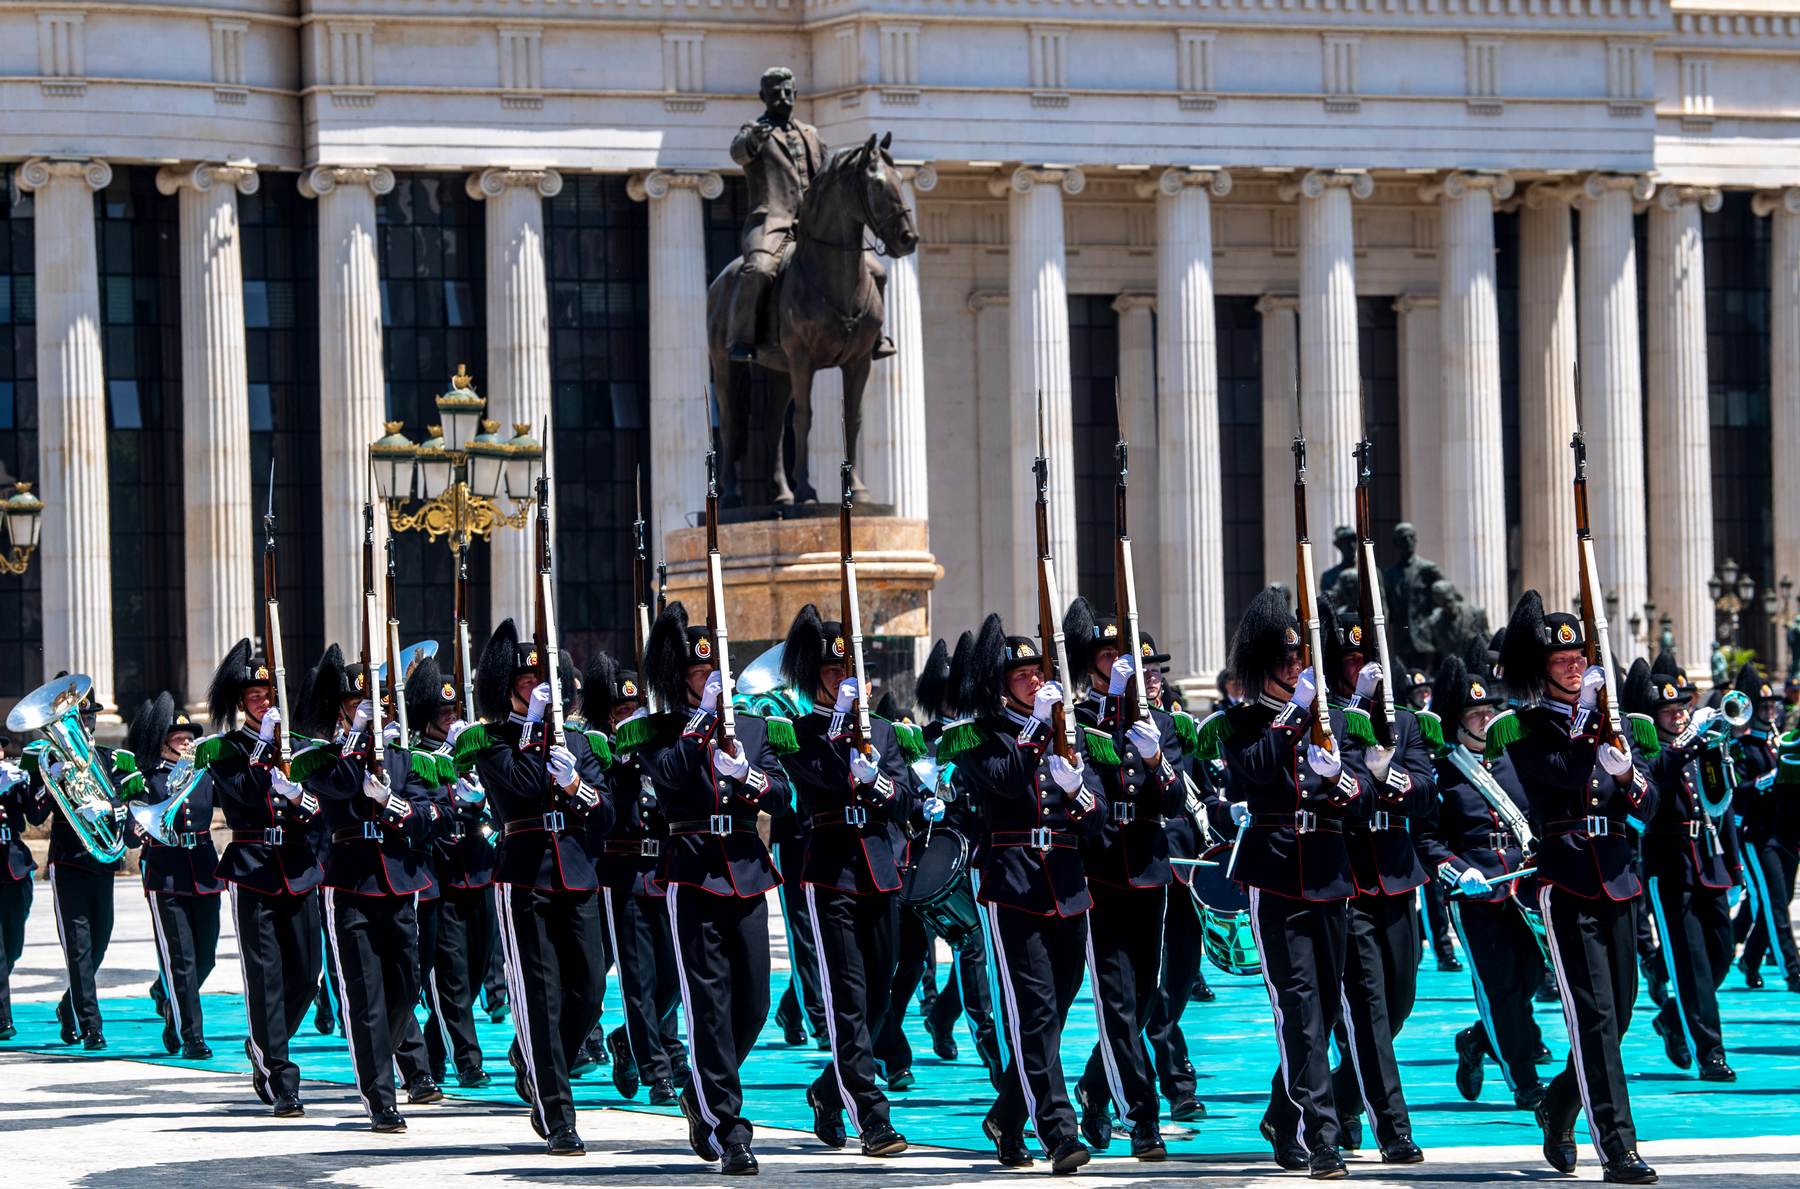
x: 83, y: 789
x: 1737, y: 708
x: 159, y: 819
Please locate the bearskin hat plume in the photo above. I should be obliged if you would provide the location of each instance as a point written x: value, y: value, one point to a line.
x: 984, y: 673
x: 1078, y: 637
x: 804, y: 652
x: 1665, y: 665
x: 494, y: 673
x: 1639, y: 698
x: 1260, y: 647
x: 666, y: 657
x: 149, y: 727
x: 1448, y: 692
x: 598, y: 678
x: 933, y: 687
x: 424, y: 692
x: 1522, y: 652
x: 956, y: 691
x: 321, y: 696
x: 228, y: 686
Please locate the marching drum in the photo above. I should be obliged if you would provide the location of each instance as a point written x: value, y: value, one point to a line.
x: 1225, y: 933
x: 936, y: 887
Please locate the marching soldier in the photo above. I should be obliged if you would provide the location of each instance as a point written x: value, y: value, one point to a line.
x: 272, y: 865
x: 711, y: 788
x: 1582, y: 789
x: 551, y: 803
x: 20, y: 806
x: 1771, y: 833
x: 179, y: 866
x: 1128, y: 877
x: 1036, y: 800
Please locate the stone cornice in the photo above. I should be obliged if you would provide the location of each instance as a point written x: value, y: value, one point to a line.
x: 1539, y: 195
x: 171, y: 179
x: 1767, y: 202
x: 323, y: 179
x: 38, y: 172
x: 1709, y: 198
x: 658, y: 183
x: 1459, y: 184
x: 1315, y: 182
x: 1023, y: 179
x: 491, y: 183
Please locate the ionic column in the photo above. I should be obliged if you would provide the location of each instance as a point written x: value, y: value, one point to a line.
x: 1612, y: 390
x: 352, y: 396
x: 216, y: 483
x: 1330, y: 368
x: 1473, y: 505
x: 75, y: 550
x: 1784, y: 371
x: 1680, y: 471
x: 1280, y: 369
x: 892, y: 455
x: 1547, y: 413
x: 1421, y: 417
x: 1008, y: 574
x: 1190, y: 527
x: 1138, y: 396
x: 679, y: 370
x: 1039, y: 338
x: 518, y: 337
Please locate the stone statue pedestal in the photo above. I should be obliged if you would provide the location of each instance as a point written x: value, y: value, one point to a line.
x: 775, y: 567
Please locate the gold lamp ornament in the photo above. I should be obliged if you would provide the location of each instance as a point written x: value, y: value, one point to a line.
x: 24, y: 514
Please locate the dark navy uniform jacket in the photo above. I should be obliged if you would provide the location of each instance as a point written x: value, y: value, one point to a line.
x: 276, y: 846
x: 1773, y: 815
x: 546, y: 834
x: 640, y: 834
x: 1030, y: 859
x: 1464, y: 831
x: 852, y: 844
x: 713, y: 843
x: 189, y: 865
x: 375, y: 850
x: 24, y: 804
x: 1382, y: 830
x: 1294, y: 845
x: 1682, y: 843
x: 463, y: 852
x: 1132, y: 850
x: 1577, y: 807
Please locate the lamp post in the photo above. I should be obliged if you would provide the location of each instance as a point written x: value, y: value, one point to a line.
x: 24, y: 513
x: 1777, y: 602
x: 1731, y: 590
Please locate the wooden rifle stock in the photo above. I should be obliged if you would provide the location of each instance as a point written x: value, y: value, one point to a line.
x: 464, y: 658
x: 374, y: 757
x: 850, y: 612
x: 1372, y: 603
x: 1312, y: 652
x: 396, y: 678
x: 1051, y: 643
x: 1593, y: 604
x: 640, y: 584
x: 284, y: 746
x: 548, y: 650
x: 1135, y: 706
x: 715, y: 608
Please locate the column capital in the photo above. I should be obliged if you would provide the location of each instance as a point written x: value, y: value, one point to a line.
x: 1766, y: 202
x: 1707, y: 198
x: 1134, y: 301
x: 922, y: 174
x: 981, y: 299
x: 1407, y: 303
x: 1270, y: 303
x: 1597, y: 185
x: 1539, y: 195
x: 491, y: 183
x: 1176, y: 179
x: 323, y: 179
x: 204, y: 175
x: 37, y: 173
x: 1459, y: 183
x: 1314, y: 182
x: 656, y: 184
x: 1023, y: 179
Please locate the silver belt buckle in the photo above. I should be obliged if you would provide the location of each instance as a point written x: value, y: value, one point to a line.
x: 1042, y: 837
x: 5, y: 834
x: 371, y: 832
x: 190, y: 840
x: 274, y: 836
x: 1497, y: 842
x: 1305, y: 821
x: 719, y: 824
x: 856, y: 815
x: 1124, y: 813
x: 1693, y: 829
x: 1381, y: 820
x: 555, y: 822
x: 1598, y: 826
x: 650, y: 848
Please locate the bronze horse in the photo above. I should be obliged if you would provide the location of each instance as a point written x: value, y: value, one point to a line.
x: 824, y: 311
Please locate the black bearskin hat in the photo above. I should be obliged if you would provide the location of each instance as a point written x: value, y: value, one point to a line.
x: 428, y: 690
x: 672, y: 646
x: 322, y: 695
x: 1639, y: 697
x: 1523, y: 652
x: 236, y: 673
x: 1266, y: 636
x: 932, y: 691
x: 604, y: 685
x: 810, y: 640
x: 151, y: 725
x: 501, y: 660
x: 1496, y: 647
x: 1456, y: 689
x: 1750, y: 682
x: 1340, y: 635
x: 1085, y: 634
x: 957, y: 702
x: 983, y: 686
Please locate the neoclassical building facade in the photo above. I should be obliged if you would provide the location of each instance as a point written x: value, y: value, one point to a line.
x: 247, y: 232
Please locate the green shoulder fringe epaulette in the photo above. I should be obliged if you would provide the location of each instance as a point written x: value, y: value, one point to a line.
x: 1506, y: 729
x: 1215, y: 731
x: 208, y: 751
x: 1358, y: 726
x: 425, y: 766
x: 911, y: 739
x: 1787, y: 758
x: 1100, y: 747
x: 778, y: 729
x: 1431, y: 729
x: 963, y: 735
x: 473, y: 740
x: 636, y: 733
x: 1187, y: 730
x: 602, y: 748
x: 312, y: 760
x: 1643, y: 733
x: 125, y: 769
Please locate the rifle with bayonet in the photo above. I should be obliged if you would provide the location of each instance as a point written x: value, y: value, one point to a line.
x: 1593, y: 604
x: 284, y: 746
x: 640, y: 583
x: 851, y: 613
x: 1135, y: 706
x: 1312, y: 651
x: 544, y: 631
x: 396, y: 679
x: 374, y: 758
x: 1371, y: 603
x: 715, y: 608
x: 464, y: 659
x: 1052, y: 644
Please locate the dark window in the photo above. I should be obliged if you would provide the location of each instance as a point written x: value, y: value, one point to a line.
x: 1239, y: 330
x: 140, y: 318
x: 1094, y: 415
x: 1378, y: 332
x: 280, y: 235
x: 599, y: 267
x: 21, y: 599
x: 1506, y: 294
x: 433, y: 251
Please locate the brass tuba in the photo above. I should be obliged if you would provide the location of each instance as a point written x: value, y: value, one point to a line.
x: 94, y: 808
x: 157, y: 819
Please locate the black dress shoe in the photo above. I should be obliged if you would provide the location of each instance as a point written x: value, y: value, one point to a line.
x: 1402, y: 1151
x: 1288, y: 1153
x: 1714, y: 1069
x: 900, y: 1080
x: 1793, y: 982
x: 828, y: 1122
x: 1350, y: 1135
x: 624, y: 1064
x: 1559, y: 1142
x: 1070, y: 1155
x: 565, y: 1143
x: 93, y: 1042
x: 7, y: 1031
x: 198, y: 1051
x: 322, y: 1020
x: 1096, y: 1118
x: 1629, y: 1169
x: 521, y: 1083
x: 1675, y: 1046
x: 257, y: 1082
x: 699, y: 1135
x: 1448, y: 962
x: 787, y: 1014
x: 662, y: 1092
x: 1752, y: 975
x: 883, y: 1140
x: 65, y: 1019
x: 943, y: 1041
x: 1470, y: 1058
x: 1326, y: 1165
x: 171, y: 1039
x: 1009, y: 1149
x: 424, y: 1091
x: 588, y: 1055
x: 472, y: 1079
x: 739, y: 1161
x: 1526, y: 1098
x: 1547, y: 992
x: 1542, y: 1056
x: 1186, y: 1108
x: 1147, y: 1143
x: 387, y: 1121
x: 287, y: 1107
x: 499, y: 1010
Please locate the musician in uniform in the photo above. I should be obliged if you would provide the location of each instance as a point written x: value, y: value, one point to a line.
x: 1582, y: 786
x: 711, y: 786
x: 1468, y: 841
x: 1037, y: 794
x: 1771, y: 821
x: 850, y: 798
x: 179, y: 866
x: 1128, y: 875
x: 272, y: 865
x: 552, y: 803
x: 20, y: 806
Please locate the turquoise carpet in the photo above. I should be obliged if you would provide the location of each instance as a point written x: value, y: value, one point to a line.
x: 1231, y: 1044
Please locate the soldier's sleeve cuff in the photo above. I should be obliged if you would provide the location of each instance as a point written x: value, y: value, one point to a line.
x: 1165, y: 773
x: 699, y: 725
x: 1082, y: 803
x: 756, y: 780
x: 1638, y: 789
x: 881, y: 787
x: 308, y: 804
x: 1345, y: 790
x: 1398, y: 784
x: 1034, y: 734
x: 584, y: 798
x: 1291, y: 718
x: 395, y: 810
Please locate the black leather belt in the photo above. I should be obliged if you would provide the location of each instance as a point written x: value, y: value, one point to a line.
x: 854, y: 816
x: 363, y: 832
x: 1682, y: 830
x: 5, y: 835
x: 718, y: 825
x: 1501, y: 840
x: 1303, y: 821
x: 273, y: 836
x: 1381, y: 819
x: 1594, y: 826
x: 1124, y: 813
x: 182, y: 841
x: 1042, y: 838
x: 554, y: 822
x: 643, y: 848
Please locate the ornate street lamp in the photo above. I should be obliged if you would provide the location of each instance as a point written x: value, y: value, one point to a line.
x: 24, y: 514
x: 1731, y: 590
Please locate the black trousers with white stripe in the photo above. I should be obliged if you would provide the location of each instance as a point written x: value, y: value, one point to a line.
x: 645, y: 954
x: 15, y: 906
x: 278, y: 944
x: 802, y: 993
x: 1302, y: 945
x: 1593, y: 946
x: 1124, y: 954
x: 853, y: 938
x: 84, y: 924
x: 1381, y: 981
x: 453, y: 946
x: 1506, y: 970
x: 187, y: 943
x: 964, y: 995
x: 555, y: 980
x: 722, y: 961
x: 375, y: 951
x: 1182, y: 951
x: 1774, y: 866
x: 1039, y: 962
x: 1696, y: 941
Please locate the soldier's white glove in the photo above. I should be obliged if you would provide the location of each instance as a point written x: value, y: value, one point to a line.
x: 56, y: 769
x: 1367, y: 678
x: 865, y: 768
x: 1592, y: 681
x: 390, y: 732
x: 933, y: 809
x: 1066, y: 775
x: 709, y: 694
x: 93, y: 811
x: 376, y: 788
x: 456, y: 730
x: 1147, y: 739
x: 1122, y: 669
x: 1473, y: 883
x: 562, y: 768
x: 1049, y: 696
x: 540, y: 702
x: 271, y: 719
x: 1325, y: 763
x: 846, y: 695
x: 1240, y: 813
x: 10, y: 774
x: 286, y: 788
x: 1379, y: 759
x: 469, y: 791
x: 1616, y: 761
x: 730, y: 766
x: 1709, y: 724
x: 1306, y: 688
x: 365, y: 712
